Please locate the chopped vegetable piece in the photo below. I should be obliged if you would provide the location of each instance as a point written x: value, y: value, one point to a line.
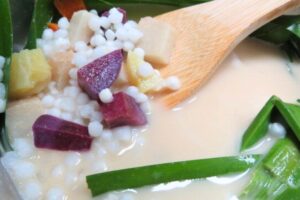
x: 144, y: 84
x: 258, y: 128
x: 30, y: 73
x: 20, y: 116
x: 53, y: 26
x: 122, y: 111
x: 79, y: 29
x: 294, y: 178
x: 289, y: 194
x: 282, y: 159
x: 53, y: 133
x: 158, y: 40
x: 261, y: 186
x: 124, y: 20
x: 151, y: 84
x: 276, y: 175
x: 132, y: 64
x: 100, y: 74
x: 163, y: 173
x: 67, y: 7
x: 61, y: 63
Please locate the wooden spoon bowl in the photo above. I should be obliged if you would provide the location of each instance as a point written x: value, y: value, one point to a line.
x: 207, y: 33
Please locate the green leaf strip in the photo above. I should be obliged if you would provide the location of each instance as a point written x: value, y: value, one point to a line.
x: 163, y: 173
x: 282, y: 159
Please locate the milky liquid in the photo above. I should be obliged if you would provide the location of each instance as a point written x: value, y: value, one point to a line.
x: 210, y: 124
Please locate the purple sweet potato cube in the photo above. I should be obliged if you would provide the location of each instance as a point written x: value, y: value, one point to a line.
x: 122, y: 111
x: 121, y: 10
x: 100, y: 74
x: 53, y: 133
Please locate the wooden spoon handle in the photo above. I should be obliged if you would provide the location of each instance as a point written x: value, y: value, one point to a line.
x: 207, y: 33
x: 245, y: 16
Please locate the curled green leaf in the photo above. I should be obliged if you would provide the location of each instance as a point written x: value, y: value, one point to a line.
x: 259, y: 126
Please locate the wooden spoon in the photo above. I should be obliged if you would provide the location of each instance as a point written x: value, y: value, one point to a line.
x: 207, y: 33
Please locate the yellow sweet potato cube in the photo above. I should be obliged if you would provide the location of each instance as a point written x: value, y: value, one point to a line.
x: 30, y: 73
x: 144, y: 84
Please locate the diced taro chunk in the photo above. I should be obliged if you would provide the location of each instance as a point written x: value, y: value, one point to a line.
x: 79, y: 29
x: 122, y: 111
x: 100, y: 74
x: 121, y: 10
x: 158, y: 41
x: 53, y: 133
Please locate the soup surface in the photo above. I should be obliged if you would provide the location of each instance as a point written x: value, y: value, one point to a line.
x: 210, y: 124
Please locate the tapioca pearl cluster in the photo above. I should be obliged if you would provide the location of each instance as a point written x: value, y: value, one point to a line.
x: 71, y: 104
x: 22, y: 170
x: 113, y: 141
x: 55, y: 41
x: 109, y: 35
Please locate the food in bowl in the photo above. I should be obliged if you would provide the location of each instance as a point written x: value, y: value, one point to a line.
x: 82, y: 104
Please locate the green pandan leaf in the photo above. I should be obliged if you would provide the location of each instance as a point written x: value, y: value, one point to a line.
x: 284, y: 32
x: 6, y: 46
x: 42, y: 14
x: 167, y: 172
x: 289, y: 194
x: 294, y: 178
x: 261, y: 185
x: 295, y: 28
x: 291, y: 114
x: 259, y: 127
x: 282, y: 159
x: 277, y: 175
x: 6, y: 37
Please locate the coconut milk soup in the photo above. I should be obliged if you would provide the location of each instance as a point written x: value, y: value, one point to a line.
x: 210, y: 124
x: 82, y: 103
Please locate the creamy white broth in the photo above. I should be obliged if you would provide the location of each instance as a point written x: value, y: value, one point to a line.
x: 210, y: 124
